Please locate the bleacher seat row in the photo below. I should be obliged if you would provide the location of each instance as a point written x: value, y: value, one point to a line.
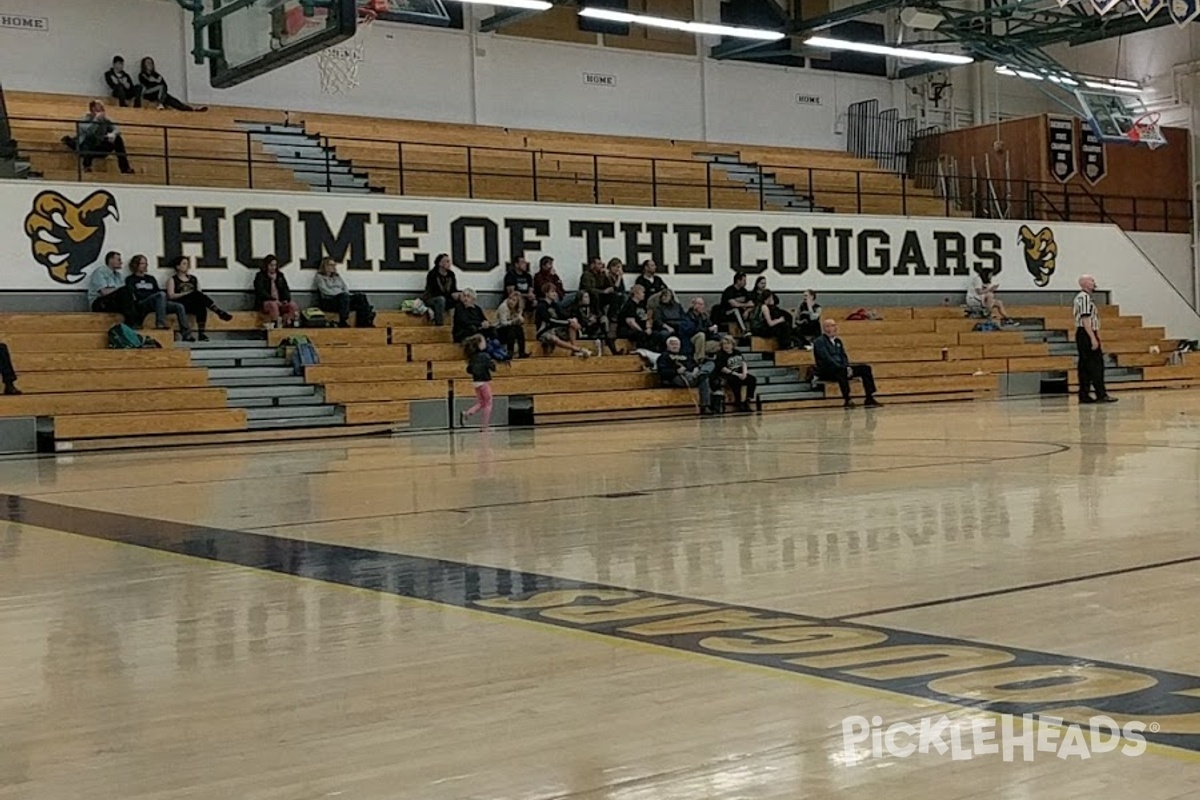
x: 99, y: 397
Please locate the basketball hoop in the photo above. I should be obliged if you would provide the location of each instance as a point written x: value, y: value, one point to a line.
x: 339, y: 64
x: 1145, y: 130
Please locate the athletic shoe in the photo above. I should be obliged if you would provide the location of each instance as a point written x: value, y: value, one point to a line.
x: 872, y: 403
x: 223, y: 314
x: 1108, y: 398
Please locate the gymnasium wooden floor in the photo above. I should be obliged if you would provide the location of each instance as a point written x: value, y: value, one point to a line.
x: 654, y: 611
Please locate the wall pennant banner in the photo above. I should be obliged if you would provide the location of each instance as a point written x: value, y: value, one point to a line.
x: 1060, y: 147
x: 1104, y: 6
x: 1183, y: 11
x: 1148, y: 8
x: 1091, y: 149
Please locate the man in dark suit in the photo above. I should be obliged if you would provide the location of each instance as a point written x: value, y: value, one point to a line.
x: 834, y: 365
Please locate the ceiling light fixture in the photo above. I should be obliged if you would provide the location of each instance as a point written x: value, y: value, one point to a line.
x: 687, y: 26
x: 903, y: 53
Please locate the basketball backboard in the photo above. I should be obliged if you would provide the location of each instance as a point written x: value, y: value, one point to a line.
x: 416, y: 12
x: 1120, y: 118
x: 246, y: 39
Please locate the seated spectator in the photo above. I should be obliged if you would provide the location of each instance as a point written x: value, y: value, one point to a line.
x: 759, y: 293
x: 121, y: 85
x: 732, y: 371
x: 668, y: 318
x: 546, y: 276
x: 335, y: 297
x: 736, y: 304
x: 510, y: 324
x: 808, y: 319
x: 518, y: 281
x: 554, y: 327
x: 592, y: 324
x: 676, y: 368
x: 469, y: 319
x: 649, y: 280
x: 833, y: 364
x: 596, y: 281
x: 633, y: 320
x: 7, y: 373
x: 441, y: 289
x: 184, y: 288
x: 272, y: 297
x: 154, y: 89
x: 108, y: 294
x: 149, y: 297
x: 982, y: 302
x: 616, y: 277
x: 98, y: 137
x: 772, y: 322
x: 698, y: 328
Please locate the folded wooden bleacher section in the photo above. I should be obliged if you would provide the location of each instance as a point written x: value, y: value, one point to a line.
x: 210, y: 149
x: 933, y: 353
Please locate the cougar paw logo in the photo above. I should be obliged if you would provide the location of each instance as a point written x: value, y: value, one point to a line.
x: 1041, y: 253
x: 66, y: 237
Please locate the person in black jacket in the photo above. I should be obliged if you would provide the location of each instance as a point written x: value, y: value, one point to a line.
x: 736, y: 305
x: 121, y: 85
x: 469, y: 319
x: 441, y: 289
x: 150, y: 297
x: 184, y: 288
x: 154, y: 89
x: 480, y: 367
x: 732, y: 371
x: 272, y: 296
x: 555, y: 328
x: 676, y: 368
x: 834, y: 365
x: 650, y: 280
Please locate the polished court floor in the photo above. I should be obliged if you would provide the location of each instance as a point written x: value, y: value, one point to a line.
x: 648, y: 611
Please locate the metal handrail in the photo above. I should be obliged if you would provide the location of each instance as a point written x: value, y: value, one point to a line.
x: 805, y: 181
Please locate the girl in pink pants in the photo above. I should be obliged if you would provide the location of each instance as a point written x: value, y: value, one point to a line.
x: 480, y: 366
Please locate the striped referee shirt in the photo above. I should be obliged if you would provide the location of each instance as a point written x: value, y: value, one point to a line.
x: 1084, y: 307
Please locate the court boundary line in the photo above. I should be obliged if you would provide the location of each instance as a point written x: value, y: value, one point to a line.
x: 1028, y: 587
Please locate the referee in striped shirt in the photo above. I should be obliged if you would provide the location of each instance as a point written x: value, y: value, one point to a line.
x: 1087, y: 342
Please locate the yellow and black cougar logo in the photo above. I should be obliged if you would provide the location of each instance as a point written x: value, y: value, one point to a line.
x: 67, y: 238
x: 1041, y: 253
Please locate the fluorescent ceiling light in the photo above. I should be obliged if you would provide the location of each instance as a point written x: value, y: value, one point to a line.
x: 532, y: 5
x: 1112, y: 87
x: 1119, y: 85
x: 904, y: 53
x: 687, y: 26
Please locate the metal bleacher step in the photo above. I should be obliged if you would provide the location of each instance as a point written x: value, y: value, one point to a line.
x: 220, y: 375
x: 291, y: 412
x: 234, y: 354
x: 272, y: 392
x: 784, y: 388
x: 232, y: 383
x: 338, y: 418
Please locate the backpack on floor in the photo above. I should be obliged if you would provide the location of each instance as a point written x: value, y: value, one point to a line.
x: 305, y: 355
x: 314, y: 318
x: 123, y: 337
x: 290, y: 341
x: 365, y: 318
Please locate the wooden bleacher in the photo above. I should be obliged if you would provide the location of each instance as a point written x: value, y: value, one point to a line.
x: 202, y: 149
x: 99, y: 397
x: 209, y: 149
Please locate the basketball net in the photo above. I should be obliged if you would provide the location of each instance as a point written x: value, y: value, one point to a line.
x: 1146, y: 130
x: 339, y: 64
